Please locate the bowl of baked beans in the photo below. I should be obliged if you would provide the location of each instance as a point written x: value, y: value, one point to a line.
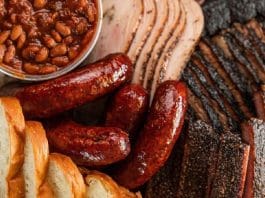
x: 44, y: 39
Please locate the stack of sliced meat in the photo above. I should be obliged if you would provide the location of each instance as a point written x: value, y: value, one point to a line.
x: 159, y: 36
x: 224, y: 154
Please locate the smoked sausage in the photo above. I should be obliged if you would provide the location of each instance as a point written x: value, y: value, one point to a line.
x: 84, y: 85
x: 156, y: 141
x: 128, y: 108
x: 89, y: 146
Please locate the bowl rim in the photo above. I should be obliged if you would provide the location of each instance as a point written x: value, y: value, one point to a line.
x: 85, y: 52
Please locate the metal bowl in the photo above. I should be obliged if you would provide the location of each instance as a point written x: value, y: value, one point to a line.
x: 81, y: 57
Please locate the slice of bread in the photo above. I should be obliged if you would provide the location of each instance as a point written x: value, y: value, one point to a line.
x: 36, y: 153
x: 12, y: 126
x: 64, y: 177
x: 100, y: 185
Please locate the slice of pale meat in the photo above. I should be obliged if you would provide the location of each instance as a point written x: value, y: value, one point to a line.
x: 173, y: 65
x: 160, y: 55
x: 121, y: 21
x: 161, y: 19
x: 144, y: 30
x: 167, y: 33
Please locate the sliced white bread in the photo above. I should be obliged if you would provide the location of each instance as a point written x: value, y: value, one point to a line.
x: 12, y: 126
x: 100, y: 185
x: 64, y: 177
x: 36, y: 153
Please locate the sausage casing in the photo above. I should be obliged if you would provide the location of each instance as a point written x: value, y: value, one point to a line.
x: 89, y: 146
x: 156, y: 141
x: 84, y: 85
x: 127, y: 108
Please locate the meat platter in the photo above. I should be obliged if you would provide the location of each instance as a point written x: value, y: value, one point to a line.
x: 132, y: 98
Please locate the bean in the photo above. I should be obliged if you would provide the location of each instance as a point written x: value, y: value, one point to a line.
x: 4, y: 35
x: 31, y: 68
x: 47, y: 69
x: 68, y: 40
x: 91, y: 13
x: 49, y: 41
x: 13, y: 18
x: 57, y: 37
x: 16, y: 32
x: 42, y: 55
x: 2, y: 51
x: 60, y: 61
x: 63, y: 29
x: 10, y: 54
x: 82, y: 27
x: 16, y: 63
x: 30, y: 52
x: 59, y: 50
x: 73, y: 52
x: 33, y: 33
x: 21, y: 40
x: 39, y: 3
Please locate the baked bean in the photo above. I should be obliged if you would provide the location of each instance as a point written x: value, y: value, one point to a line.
x: 13, y: 18
x: 49, y: 41
x: 7, y: 25
x: 16, y: 32
x: 16, y: 63
x: 9, y: 42
x: 91, y: 13
x: 30, y: 52
x: 47, y: 69
x: 68, y: 40
x: 39, y: 3
x: 60, y: 61
x: 4, y: 36
x: 59, y: 50
x: 31, y: 68
x: 42, y: 55
x: 73, y: 52
x: 2, y: 51
x: 82, y: 27
x: 10, y: 54
x: 57, y: 37
x: 21, y: 40
x: 63, y: 29
x: 33, y: 33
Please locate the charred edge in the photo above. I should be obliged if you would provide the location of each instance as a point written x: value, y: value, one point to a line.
x: 246, y: 43
x: 221, y: 85
x: 237, y: 79
x: 237, y: 52
x: 229, y: 66
x: 191, y: 115
x: 214, y: 94
x: 194, y: 87
x: 257, y: 42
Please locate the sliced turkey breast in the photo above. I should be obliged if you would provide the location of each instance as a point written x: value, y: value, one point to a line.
x: 144, y: 30
x: 173, y: 65
x: 121, y: 21
x: 161, y: 19
x: 173, y: 29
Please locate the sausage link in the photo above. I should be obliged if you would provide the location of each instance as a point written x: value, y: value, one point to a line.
x: 74, y: 89
x: 128, y: 108
x: 156, y: 141
x: 89, y: 146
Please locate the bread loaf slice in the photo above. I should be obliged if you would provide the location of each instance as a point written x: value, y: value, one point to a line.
x: 64, y: 177
x: 100, y: 185
x: 12, y: 126
x: 36, y: 153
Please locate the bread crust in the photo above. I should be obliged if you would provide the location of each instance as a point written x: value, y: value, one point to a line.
x: 36, y: 135
x: 71, y: 172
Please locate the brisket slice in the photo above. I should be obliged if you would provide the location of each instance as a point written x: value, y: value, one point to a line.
x: 200, y: 152
x: 254, y: 134
x: 231, y: 168
x: 164, y: 183
x: 258, y: 100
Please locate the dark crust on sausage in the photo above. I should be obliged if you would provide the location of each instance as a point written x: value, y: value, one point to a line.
x: 89, y: 146
x: 158, y: 137
x: 128, y: 108
x: 74, y: 89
